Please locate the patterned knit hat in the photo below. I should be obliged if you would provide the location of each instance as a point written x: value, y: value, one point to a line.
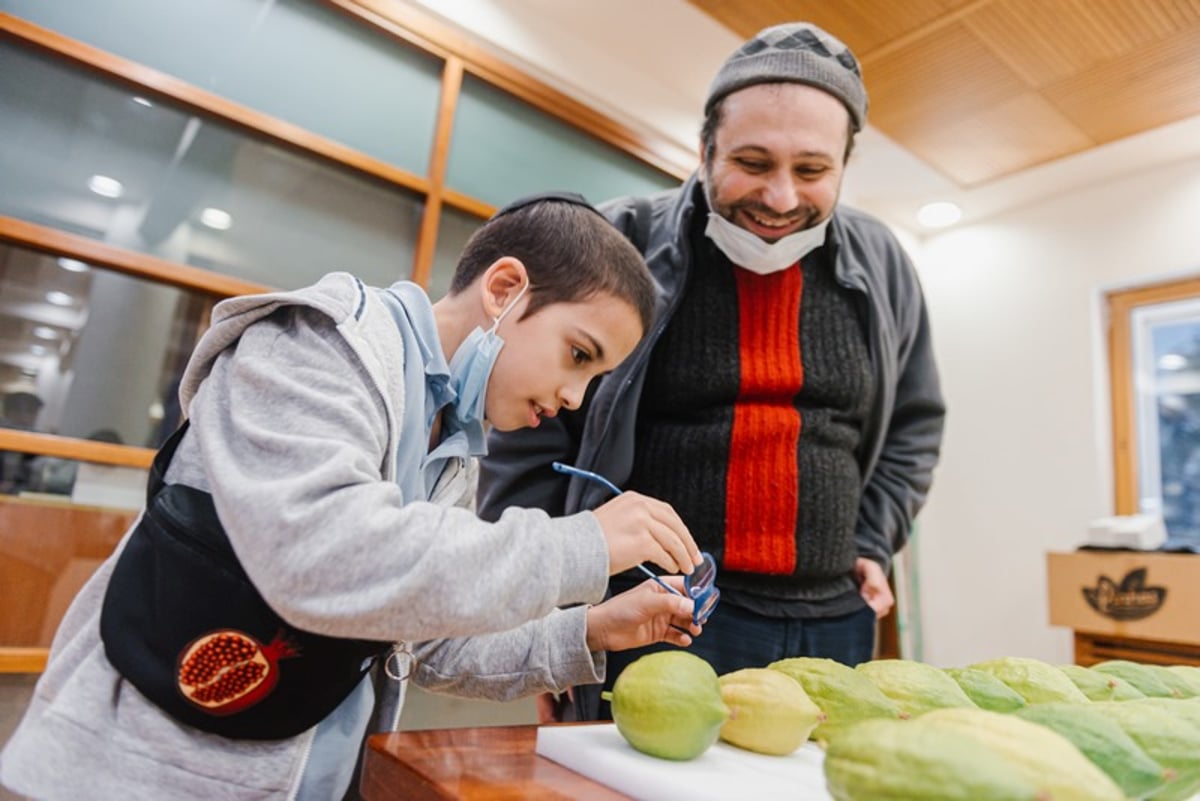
x: 795, y: 52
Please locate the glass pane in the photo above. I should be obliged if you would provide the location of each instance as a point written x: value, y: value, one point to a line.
x: 87, y: 483
x: 454, y: 229
x: 1167, y: 378
x: 297, y: 60
x: 503, y: 149
x: 91, y: 353
x: 85, y: 156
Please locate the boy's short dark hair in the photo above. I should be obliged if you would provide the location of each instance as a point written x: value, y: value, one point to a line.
x: 570, y: 253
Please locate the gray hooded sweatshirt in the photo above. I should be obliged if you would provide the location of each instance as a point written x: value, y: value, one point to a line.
x: 295, y: 401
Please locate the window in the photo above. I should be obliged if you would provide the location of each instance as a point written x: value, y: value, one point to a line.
x: 1155, y: 368
x: 503, y: 149
x: 92, y: 353
x: 81, y: 154
x: 297, y: 60
x: 157, y: 157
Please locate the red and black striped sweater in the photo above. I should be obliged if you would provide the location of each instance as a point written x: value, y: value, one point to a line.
x: 749, y: 422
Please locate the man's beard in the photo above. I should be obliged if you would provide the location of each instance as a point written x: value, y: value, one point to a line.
x: 806, y: 215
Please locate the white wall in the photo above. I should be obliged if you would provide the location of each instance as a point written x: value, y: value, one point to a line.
x: 1027, y: 459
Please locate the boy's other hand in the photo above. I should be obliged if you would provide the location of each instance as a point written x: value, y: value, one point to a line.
x: 641, y: 616
x: 640, y: 529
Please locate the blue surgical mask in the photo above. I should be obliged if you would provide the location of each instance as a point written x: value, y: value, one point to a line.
x: 471, y: 367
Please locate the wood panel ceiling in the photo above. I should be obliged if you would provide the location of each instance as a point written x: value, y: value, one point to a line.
x: 980, y: 89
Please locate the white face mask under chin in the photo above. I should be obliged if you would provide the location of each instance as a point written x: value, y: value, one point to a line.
x: 757, y: 255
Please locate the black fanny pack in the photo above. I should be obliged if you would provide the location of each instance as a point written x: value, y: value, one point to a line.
x: 182, y: 622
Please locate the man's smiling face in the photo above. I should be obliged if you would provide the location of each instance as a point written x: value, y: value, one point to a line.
x: 778, y: 158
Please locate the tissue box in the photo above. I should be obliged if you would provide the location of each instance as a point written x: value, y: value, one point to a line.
x: 1139, y: 532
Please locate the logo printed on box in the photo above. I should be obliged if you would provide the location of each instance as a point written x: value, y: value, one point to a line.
x: 1129, y: 600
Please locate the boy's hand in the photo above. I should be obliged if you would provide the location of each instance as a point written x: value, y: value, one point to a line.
x: 643, y: 615
x: 641, y: 529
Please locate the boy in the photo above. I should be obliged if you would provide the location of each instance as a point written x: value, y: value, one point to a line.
x: 330, y: 432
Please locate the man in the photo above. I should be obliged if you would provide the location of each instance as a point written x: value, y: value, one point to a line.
x: 20, y: 412
x: 786, y: 403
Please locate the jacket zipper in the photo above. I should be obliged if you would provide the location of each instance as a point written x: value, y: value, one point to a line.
x: 304, y: 756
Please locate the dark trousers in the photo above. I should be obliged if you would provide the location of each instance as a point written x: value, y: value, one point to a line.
x: 735, y: 638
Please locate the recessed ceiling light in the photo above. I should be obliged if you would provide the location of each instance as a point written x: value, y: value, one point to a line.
x: 38, y: 350
x: 59, y: 298
x: 939, y: 214
x: 1171, y: 361
x: 74, y: 265
x: 216, y: 218
x: 44, y: 332
x: 105, y: 187
x: 141, y: 101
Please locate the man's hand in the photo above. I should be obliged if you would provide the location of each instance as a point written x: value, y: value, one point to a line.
x: 641, y: 529
x: 873, y: 586
x: 643, y: 615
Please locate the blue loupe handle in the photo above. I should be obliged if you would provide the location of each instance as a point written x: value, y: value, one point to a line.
x: 571, y: 470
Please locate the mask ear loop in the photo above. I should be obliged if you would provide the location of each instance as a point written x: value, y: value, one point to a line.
x: 504, y: 312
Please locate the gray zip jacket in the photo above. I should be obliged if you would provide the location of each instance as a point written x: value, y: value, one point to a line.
x: 900, y: 442
x: 294, y: 399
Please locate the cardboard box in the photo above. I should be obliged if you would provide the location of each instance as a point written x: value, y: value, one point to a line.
x: 1137, y: 594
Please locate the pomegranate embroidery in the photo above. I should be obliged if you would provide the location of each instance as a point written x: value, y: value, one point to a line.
x: 226, y: 670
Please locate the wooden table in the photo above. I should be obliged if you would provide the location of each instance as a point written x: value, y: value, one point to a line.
x: 493, y: 763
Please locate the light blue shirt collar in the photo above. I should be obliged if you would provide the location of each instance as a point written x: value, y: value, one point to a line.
x: 425, y: 368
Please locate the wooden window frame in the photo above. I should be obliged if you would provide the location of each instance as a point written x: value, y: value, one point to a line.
x: 426, y: 33
x: 1120, y: 307
x: 409, y: 27
x: 54, y: 242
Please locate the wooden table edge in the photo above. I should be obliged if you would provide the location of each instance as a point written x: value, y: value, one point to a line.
x: 468, y: 764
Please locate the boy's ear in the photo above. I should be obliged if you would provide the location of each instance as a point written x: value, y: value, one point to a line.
x: 500, y: 284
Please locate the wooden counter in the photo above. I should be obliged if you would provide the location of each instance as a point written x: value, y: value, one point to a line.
x: 495, y: 763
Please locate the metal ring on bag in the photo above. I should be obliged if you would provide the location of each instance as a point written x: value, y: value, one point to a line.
x: 405, y: 662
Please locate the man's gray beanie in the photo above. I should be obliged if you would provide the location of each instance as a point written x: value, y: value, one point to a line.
x: 795, y: 52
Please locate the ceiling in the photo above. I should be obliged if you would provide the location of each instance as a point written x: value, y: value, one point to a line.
x: 994, y: 105
x: 983, y: 89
